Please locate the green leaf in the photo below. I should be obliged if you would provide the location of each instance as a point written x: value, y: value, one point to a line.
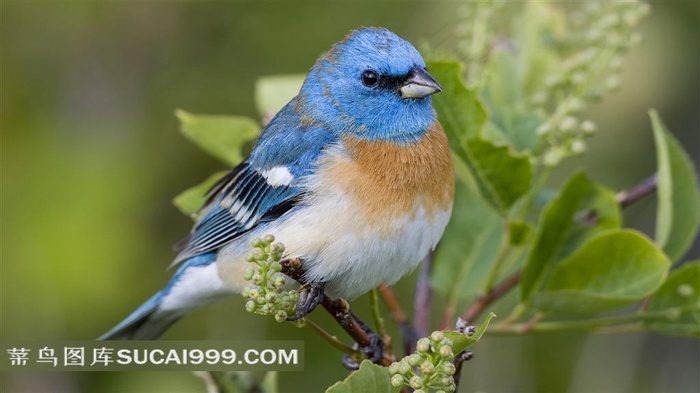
x: 269, y: 383
x: 504, y: 89
x: 511, y: 119
x: 471, y: 240
x: 609, y: 271
x: 679, y: 299
x: 520, y: 233
x: 503, y: 175
x: 516, y: 127
x: 221, y: 136
x: 458, y: 107
x: 370, y: 378
x: 679, y: 202
x: 581, y: 210
x: 191, y: 200
x: 275, y: 91
x: 460, y: 342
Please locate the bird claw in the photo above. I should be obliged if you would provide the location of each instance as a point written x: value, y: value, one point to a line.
x: 309, y: 299
x: 374, y: 351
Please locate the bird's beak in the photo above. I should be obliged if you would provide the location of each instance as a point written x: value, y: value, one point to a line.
x: 419, y: 84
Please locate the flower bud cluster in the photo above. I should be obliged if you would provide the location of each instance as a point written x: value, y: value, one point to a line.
x: 592, y: 51
x: 430, y: 368
x: 475, y: 34
x: 267, y: 295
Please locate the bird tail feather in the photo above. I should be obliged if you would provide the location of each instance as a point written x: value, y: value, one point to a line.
x: 145, y: 323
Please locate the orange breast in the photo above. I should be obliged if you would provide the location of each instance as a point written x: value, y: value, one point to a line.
x: 387, y: 181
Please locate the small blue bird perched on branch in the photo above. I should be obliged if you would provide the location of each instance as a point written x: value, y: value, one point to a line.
x: 354, y: 176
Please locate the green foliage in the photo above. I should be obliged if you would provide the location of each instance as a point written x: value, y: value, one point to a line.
x: 459, y: 109
x: 471, y: 237
x: 676, y: 305
x: 679, y: 202
x: 370, y: 378
x: 582, y: 210
x: 274, y: 92
x: 501, y: 174
x: 462, y: 342
x: 191, y: 200
x: 609, y: 271
x: 221, y: 136
x: 575, y: 259
x: 504, y: 176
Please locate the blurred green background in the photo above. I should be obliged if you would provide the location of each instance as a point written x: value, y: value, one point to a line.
x: 91, y: 159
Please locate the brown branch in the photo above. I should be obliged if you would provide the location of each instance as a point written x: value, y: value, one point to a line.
x: 408, y: 332
x: 646, y: 187
x: 338, y: 309
x: 491, y: 296
x: 397, y: 313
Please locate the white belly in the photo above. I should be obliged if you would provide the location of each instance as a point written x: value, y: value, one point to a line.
x: 339, y: 248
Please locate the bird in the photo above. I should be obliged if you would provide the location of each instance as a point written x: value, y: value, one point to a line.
x: 353, y: 176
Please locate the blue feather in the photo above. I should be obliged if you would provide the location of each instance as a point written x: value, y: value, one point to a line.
x: 244, y: 198
x: 146, y: 322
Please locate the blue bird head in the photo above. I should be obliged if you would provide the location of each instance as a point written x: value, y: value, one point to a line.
x: 373, y: 85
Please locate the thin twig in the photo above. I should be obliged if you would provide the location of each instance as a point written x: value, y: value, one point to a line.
x: 646, y: 187
x: 376, y: 315
x: 494, y: 294
x: 331, y: 339
x: 379, y: 321
x: 408, y: 332
x: 338, y: 309
x: 397, y: 313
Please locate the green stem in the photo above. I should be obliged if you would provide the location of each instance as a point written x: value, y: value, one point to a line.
x: 331, y: 339
x: 503, y: 252
x: 376, y: 315
x: 517, y: 312
x: 537, y: 187
x: 509, y: 328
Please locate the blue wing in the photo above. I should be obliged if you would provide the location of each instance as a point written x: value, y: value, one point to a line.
x: 250, y: 195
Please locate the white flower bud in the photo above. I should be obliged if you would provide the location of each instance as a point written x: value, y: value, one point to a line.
x: 588, y: 127
x: 250, y: 306
x: 578, y: 147
x: 612, y: 82
x: 427, y: 367
x: 568, y: 124
x: 437, y: 336
x: 281, y: 316
x: 423, y: 345
x: 416, y: 382
x: 396, y: 380
x: 446, y: 352
x: 449, y: 368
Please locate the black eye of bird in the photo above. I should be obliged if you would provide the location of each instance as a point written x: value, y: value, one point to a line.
x: 369, y: 78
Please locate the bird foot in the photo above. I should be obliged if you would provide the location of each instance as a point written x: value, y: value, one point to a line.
x: 309, y: 299
x: 374, y: 351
